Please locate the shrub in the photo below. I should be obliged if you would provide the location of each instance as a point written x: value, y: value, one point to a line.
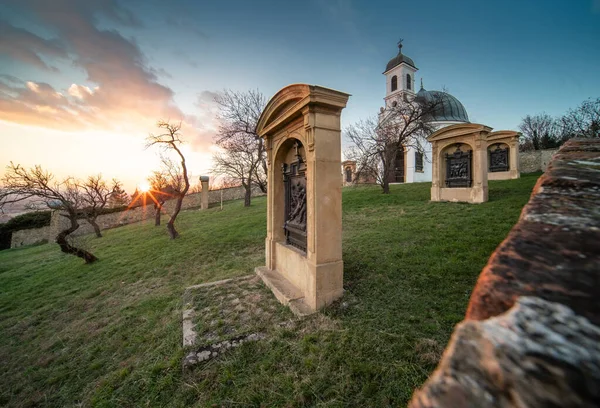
x: 30, y: 220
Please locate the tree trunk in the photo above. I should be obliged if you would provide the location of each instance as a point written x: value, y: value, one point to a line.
x: 247, y: 195
x: 385, y: 184
x: 61, y: 240
x: 94, y: 224
x: 262, y: 184
x: 535, y: 140
x: 157, y: 215
x: 171, y: 224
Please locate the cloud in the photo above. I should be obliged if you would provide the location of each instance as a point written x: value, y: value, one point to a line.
x: 123, y: 93
x: 79, y: 91
x: 24, y: 46
x: 206, y: 119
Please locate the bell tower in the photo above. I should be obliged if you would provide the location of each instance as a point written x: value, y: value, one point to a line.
x: 399, y: 78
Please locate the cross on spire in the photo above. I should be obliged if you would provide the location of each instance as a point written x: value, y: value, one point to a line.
x: 400, y: 45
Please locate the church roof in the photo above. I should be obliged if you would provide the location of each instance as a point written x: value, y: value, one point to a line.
x: 450, y: 109
x: 399, y: 59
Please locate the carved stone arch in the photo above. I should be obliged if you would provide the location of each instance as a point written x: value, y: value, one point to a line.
x: 281, y: 105
x: 277, y: 149
x: 459, y: 129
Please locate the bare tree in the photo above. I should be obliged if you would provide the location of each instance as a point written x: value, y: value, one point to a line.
x: 95, y: 195
x: 583, y: 121
x: 237, y: 162
x: 539, y: 132
x: 170, y: 141
x: 161, y: 189
x: 238, y: 114
x: 375, y: 143
x: 41, y: 187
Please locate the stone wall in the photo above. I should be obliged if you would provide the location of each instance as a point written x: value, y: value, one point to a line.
x: 535, y: 160
x: 530, y: 337
x: 29, y: 236
x: 107, y: 221
x: 234, y: 193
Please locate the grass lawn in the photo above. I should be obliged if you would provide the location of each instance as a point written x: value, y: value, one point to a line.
x: 109, y: 334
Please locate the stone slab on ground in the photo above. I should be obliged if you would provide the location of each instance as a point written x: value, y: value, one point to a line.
x: 219, y: 316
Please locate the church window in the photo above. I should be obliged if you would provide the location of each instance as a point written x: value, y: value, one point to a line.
x: 408, y: 81
x: 418, y: 161
x: 394, y: 83
x: 348, y: 175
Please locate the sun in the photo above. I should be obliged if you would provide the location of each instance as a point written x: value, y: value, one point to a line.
x: 144, y: 187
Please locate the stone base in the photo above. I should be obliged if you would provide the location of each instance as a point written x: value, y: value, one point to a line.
x: 504, y: 175
x: 285, y: 292
x: 472, y: 195
x: 328, y: 283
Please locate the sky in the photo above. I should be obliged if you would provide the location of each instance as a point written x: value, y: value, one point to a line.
x: 83, y: 82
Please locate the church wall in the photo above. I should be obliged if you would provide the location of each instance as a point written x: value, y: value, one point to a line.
x: 413, y: 176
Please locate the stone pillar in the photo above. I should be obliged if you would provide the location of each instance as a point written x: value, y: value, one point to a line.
x: 302, y: 132
x: 457, y: 141
x: 204, y: 192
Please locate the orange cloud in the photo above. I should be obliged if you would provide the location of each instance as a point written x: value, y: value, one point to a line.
x: 123, y: 92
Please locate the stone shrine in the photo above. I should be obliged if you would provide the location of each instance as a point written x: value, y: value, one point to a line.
x: 302, y: 132
x: 459, y: 163
x: 503, y: 155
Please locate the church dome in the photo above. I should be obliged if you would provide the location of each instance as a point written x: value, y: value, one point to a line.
x: 450, y: 110
x: 399, y: 59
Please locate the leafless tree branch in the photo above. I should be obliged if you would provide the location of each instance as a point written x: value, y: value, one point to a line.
x: 19, y: 183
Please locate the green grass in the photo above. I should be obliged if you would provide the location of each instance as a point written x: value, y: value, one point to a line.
x: 109, y: 334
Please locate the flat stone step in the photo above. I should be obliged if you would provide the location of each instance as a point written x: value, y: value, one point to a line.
x: 284, y: 290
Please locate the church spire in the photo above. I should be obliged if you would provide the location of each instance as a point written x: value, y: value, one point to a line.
x: 422, y: 89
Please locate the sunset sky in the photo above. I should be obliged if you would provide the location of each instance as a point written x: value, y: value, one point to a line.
x: 83, y: 82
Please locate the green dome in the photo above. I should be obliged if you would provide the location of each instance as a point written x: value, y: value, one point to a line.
x: 450, y: 110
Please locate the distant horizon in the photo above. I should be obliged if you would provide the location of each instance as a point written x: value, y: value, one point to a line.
x: 82, y: 84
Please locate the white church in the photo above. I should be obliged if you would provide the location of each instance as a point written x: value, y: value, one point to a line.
x: 411, y: 165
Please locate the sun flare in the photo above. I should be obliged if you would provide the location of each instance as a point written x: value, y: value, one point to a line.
x: 144, y: 187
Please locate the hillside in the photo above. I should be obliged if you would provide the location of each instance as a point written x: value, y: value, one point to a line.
x: 109, y: 333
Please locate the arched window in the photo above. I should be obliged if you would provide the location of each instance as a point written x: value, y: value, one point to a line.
x: 408, y: 82
x: 394, y: 83
x: 418, y: 161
